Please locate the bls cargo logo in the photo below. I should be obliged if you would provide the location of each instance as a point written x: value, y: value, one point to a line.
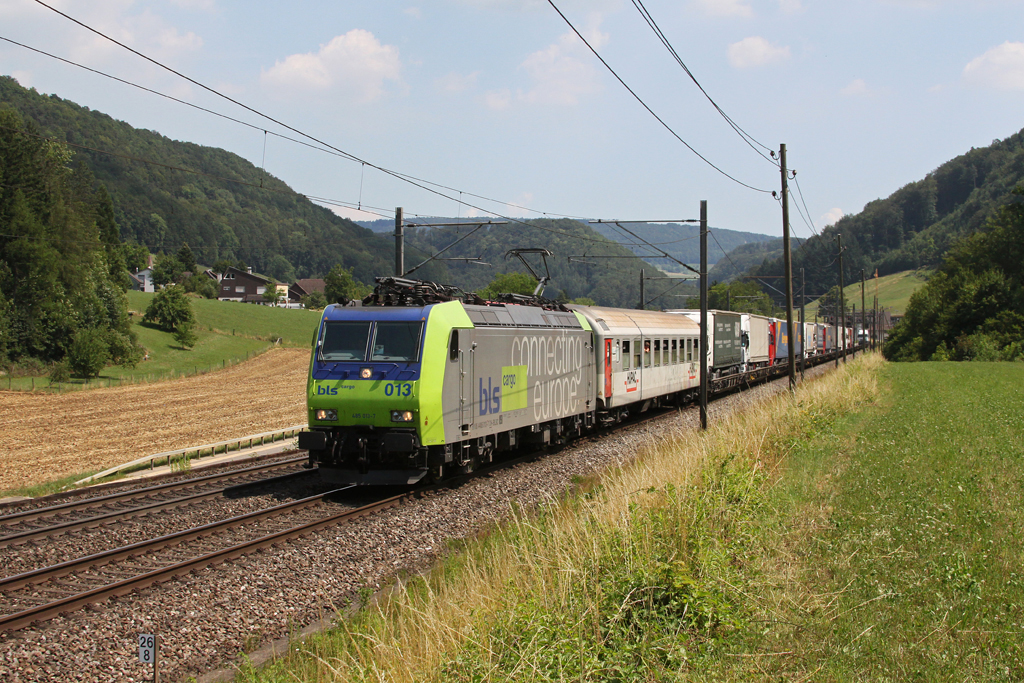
x: 508, y: 393
x: 321, y: 390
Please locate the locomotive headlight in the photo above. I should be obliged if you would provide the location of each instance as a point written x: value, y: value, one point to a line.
x: 326, y: 415
x: 365, y: 373
x: 401, y: 416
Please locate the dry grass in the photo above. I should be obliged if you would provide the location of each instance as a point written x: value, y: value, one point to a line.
x: 414, y: 632
x: 44, y: 436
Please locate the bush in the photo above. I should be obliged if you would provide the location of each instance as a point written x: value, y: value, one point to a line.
x: 314, y: 301
x: 89, y: 352
x: 203, y: 285
x: 60, y: 372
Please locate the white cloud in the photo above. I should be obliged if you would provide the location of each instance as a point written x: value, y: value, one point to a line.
x: 755, y: 51
x: 1001, y: 68
x: 456, y: 82
x: 355, y: 61
x: 726, y: 8
x: 856, y: 88
x: 831, y: 216
x: 561, y: 74
x: 498, y: 99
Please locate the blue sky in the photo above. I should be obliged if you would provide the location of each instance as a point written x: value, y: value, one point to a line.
x: 499, y: 98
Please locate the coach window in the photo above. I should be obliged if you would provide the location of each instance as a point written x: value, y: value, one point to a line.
x: 625, y: 354
x: 657, y: 352
x: 675, y: 353
x: 664, y: 351
x: 689, y: 350
x: 647, y: 353
x: 453, y: 346
x: 636, y: 353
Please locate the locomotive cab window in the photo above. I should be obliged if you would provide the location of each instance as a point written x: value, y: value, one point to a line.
x: 344, y: 340
x: 397, y: 341
x: 453, y: 346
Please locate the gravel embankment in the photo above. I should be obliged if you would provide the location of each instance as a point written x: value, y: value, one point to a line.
x: 207, y: 619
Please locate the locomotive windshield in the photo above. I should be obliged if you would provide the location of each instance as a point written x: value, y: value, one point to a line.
x: 397, y: 341
x: 392, y: 341
x: 345, y: 341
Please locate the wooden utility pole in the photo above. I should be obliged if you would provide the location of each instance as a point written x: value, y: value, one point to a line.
x: 399, y: 243
x: 642, y: 293
x: 703, y: 393
x: 842, y: 303
x: 803, y: 319
x: 787, y: 259
x: 863, y: 307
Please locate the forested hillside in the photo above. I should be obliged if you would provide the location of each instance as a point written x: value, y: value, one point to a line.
x: 917, y: 224
x: 973, y: 307
x: 258, y: 219
x: 746, y: 256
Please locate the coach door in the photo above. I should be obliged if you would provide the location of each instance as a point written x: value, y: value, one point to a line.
x: 607, y: 369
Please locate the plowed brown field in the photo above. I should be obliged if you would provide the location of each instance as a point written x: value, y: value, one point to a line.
x: 44, y: 436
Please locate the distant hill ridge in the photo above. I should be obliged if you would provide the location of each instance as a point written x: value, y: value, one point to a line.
x: 915, y: 226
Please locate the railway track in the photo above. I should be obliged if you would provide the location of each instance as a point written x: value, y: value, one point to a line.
x: 42, y: 594
x: 39, y: 523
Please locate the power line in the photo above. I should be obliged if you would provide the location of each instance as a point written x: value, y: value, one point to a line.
x: 412, y: 180
x: 644, y: 104
x: 746, y: 137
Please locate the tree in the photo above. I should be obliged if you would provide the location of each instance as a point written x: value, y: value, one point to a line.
x: 314, y: 301
x: 271, y: 295
x: 167, y: 270
x: 185, y: 335
x: 186, y: 259
x: 201, y: 284
x: 340, y: 287
x: 509, y: 283
x: 170, y: 309
x: 221, y: 266
x: 89, y: 352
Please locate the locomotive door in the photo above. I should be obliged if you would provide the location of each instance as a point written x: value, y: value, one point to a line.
x: 465, y: 382
x: 607, y: 369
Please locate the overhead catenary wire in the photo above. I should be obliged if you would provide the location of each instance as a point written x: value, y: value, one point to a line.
x: 412, y: 180
x: 752, y: 142
x: 645, y: 105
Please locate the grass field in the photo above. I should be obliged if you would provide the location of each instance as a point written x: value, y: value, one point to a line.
x: 893, y: 292
x: 228, y: 332
x: 871, y: 530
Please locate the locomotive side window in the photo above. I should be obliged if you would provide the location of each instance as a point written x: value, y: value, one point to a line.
x: 453, y: 346
x: 625, y: 354
x: 397, y: 341
x: 345, y: 341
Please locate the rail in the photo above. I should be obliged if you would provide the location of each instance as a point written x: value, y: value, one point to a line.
x: 213, y: 448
